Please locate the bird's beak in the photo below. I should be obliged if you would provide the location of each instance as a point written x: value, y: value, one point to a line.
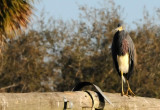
x: 119, y: 28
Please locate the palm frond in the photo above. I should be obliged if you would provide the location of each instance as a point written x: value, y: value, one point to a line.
x: 14, y: 17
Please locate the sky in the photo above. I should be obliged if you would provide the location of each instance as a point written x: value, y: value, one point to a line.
x: 69, y: 9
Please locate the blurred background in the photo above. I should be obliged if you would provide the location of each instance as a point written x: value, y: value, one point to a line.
x: 67, y: 42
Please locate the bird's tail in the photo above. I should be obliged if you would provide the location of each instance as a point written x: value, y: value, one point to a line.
x: 124, y: 79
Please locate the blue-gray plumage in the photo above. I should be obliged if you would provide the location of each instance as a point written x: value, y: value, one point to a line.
x: 124, y: 55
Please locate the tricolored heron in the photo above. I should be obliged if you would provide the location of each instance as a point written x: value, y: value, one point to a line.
x: 124, y: 56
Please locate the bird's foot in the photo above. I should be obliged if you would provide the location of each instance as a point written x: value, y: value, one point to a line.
x: 130, y: 91
x: 122, y: 93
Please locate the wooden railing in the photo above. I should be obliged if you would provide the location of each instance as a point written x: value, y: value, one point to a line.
x: 79, y: 100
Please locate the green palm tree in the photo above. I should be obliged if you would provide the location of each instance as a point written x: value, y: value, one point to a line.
x: 14, y: 17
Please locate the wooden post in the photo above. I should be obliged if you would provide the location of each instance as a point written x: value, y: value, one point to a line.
x: 79, y: 100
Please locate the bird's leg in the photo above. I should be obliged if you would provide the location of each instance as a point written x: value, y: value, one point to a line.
x: 129, y: 90
x: 122, y: 83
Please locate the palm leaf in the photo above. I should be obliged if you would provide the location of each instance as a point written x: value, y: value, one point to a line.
x: 14, y: 17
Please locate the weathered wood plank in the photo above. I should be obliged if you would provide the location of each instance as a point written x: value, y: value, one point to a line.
x: 132, y: 103
x: 79, y: 100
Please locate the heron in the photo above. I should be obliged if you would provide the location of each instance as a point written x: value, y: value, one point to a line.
x: 124, y: 56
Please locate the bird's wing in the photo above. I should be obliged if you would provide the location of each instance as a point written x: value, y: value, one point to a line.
x: 132, y: 54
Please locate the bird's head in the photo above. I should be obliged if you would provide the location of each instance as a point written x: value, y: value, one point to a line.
x: 119, y: 27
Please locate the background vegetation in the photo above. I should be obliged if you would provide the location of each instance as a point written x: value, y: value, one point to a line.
x: 60, y: 54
